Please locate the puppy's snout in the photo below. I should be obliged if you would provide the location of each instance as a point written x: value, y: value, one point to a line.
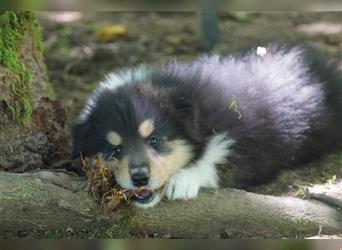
x: 140, y: 178
x: 139, y: 174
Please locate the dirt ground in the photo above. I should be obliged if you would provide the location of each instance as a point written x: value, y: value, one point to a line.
x: 79, y: 53
x: 77, y: 58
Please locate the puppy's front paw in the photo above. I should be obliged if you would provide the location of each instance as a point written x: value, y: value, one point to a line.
x: 182, y: 185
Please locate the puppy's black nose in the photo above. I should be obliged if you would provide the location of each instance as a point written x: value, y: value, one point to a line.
x: 140, y: 179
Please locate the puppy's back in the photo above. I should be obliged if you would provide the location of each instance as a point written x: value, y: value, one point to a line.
x: 282, y: 108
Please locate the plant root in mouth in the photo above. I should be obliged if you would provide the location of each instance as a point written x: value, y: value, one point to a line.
x: 104, y: 188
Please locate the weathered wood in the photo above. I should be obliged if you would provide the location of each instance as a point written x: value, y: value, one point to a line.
x: 46, y: 200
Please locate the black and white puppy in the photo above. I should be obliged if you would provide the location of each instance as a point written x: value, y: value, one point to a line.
x: 217, y: 121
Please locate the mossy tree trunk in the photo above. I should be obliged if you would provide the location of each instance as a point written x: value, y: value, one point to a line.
x: 32, y: 130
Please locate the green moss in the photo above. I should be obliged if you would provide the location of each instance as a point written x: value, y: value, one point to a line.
x: 8, y: 53
x: 51, y: 92
x: 103, y: 232
x: 123, y: 231
x: 13, y: 27
x: 37, y: 33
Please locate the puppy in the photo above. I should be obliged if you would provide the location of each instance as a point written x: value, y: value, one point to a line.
x: 217, y: 121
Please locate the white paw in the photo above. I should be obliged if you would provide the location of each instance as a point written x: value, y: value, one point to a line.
x: 182, y: 185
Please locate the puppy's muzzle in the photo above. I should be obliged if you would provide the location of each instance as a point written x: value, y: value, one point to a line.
x: 139, y: 174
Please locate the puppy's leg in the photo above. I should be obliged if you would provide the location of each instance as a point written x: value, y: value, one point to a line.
x: 185, y: 183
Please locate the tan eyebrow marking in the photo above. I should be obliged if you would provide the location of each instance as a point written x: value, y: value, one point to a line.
x: 114, y: 138
x: 146, y: 128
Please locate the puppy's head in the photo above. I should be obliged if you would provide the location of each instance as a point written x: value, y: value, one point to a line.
x: 138, y: 135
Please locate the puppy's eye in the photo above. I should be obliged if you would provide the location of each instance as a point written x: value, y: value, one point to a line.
x: 154, y: 141
x: 113, y: 153
x: 117, y: 151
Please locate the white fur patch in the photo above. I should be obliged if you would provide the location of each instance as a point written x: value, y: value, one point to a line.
x: 261, y: 51
x: 185, y: 183
x: 116, y: 79
x: 112, y: 82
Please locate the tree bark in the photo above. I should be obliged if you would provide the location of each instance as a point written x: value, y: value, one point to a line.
x: 32, y: 126
x: 47, y: 200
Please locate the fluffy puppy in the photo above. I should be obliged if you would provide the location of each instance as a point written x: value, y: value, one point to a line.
x: 217, y: 121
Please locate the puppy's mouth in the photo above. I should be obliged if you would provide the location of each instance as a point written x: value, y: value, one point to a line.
x: 145, y: 196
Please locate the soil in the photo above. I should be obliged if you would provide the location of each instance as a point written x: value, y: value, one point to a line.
x: 77, y: 59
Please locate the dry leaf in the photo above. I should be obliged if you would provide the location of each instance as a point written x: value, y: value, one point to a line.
x: 109, y: 33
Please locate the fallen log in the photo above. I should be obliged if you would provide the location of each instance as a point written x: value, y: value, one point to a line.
x: 45, y: 200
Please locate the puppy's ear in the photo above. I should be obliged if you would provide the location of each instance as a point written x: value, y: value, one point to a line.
x: 188, y: 115
x: 78, y: 132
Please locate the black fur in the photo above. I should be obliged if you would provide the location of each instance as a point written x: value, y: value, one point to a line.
x: 283, y: 109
